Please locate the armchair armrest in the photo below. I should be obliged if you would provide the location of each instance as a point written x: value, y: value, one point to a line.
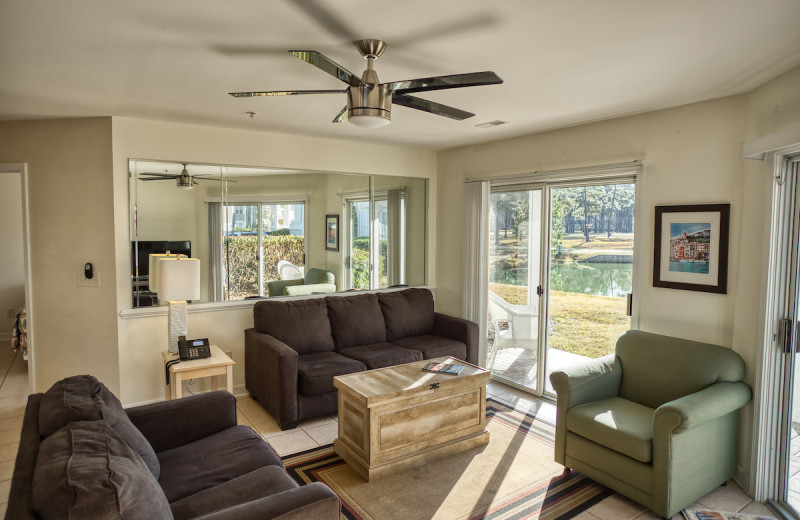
x: 592, y: 381
x: 458, y: 329
x: 270, y: 374
x: 315, y: 500
x: 598, y: 379
x: 278, y: 287
x: 170, y: 424
x: 693, y: 410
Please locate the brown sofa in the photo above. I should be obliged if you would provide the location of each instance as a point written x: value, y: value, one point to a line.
x: 297, y: 347
x: 82, y: 456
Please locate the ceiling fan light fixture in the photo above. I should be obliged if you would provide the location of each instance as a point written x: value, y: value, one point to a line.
x: 368, y: 117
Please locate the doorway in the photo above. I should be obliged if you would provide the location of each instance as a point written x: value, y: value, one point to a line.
x: 560, y: 275
x: 16, y: 374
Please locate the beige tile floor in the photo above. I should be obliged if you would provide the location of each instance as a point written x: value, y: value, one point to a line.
x: 13, y: 397
x: 319, y: 432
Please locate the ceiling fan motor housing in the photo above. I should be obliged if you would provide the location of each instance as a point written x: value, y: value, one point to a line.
x: 371, y: 98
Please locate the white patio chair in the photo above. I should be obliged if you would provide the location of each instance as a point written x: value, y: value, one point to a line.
x: 289, y: 271
x: 522, y: 323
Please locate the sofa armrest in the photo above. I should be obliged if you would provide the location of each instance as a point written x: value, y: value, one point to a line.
x: 458, y: 329
x: 270, y: 374
x: 20, y: 497
x: 693, y: 410
x: 294, y: 290
x: 313, y: 501
x: 597, y: 379
x: 170, y: 424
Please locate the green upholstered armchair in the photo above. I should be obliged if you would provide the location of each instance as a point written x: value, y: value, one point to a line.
x: 657, y: 421
x: 315, y: 281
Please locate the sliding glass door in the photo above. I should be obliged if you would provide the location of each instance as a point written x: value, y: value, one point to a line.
x: 560, y: 274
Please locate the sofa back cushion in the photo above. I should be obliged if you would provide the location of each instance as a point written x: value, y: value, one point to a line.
x: 356, y: 320
x: 84, y: 398
x: 86, y: 470
x: 301, y: 324
x: 657, y: 369
x: 407, y: 313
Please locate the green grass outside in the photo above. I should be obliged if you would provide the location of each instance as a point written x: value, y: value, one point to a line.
x: 582, y: 324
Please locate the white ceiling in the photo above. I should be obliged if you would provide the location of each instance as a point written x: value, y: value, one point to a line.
x: 564, y: 62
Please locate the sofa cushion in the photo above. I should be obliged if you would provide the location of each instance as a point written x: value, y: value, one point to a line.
x: 250, y: 486
x: 86, y: 470
x: 382, y: 355
x: 301, y: 324
x: 212, y: 461
x: 407, y: 313
x: 84, y: 398
x: 315, y: 372
x: 621, y: 425
x: 434, y: 346
x: 356, y: 320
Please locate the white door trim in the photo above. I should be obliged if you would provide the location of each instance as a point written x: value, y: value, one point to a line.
x: 22, y: 170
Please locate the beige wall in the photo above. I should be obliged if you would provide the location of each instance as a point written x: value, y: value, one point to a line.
x: 141, y: 339
x: 12, y: 272
x: 691, y: 155
x: 71, y: 222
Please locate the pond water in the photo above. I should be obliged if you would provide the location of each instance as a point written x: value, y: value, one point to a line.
x: 585, y: 278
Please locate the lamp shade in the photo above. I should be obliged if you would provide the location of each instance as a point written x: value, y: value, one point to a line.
x: 178, y: 279
x: 153, y: 269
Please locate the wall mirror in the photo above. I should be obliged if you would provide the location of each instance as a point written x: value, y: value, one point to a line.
x: 265, y: 232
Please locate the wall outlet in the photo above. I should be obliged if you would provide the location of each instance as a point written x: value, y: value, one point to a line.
x: 88, y: 282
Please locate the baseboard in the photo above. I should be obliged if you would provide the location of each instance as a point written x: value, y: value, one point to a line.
x: 742, y: 478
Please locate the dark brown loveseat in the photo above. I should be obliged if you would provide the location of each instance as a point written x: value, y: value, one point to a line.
x: 82, y: 456
x: 297, y: 347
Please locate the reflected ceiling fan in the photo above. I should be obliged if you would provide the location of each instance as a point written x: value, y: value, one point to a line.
x: 183, y: 179
x: 369, y: 102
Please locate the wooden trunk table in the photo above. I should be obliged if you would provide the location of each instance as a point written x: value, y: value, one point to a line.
x: 397, y: 417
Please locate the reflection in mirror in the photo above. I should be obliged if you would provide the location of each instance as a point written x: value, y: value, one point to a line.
x: 258, y: 232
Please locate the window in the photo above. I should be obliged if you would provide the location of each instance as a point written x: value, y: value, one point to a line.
x: 257, y: 235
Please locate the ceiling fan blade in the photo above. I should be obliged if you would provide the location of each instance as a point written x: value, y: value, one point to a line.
x: 195, y: 179
x: 430, y: 106
x: 326, y: 64
x: 471, y: 79
x: 341, y: 117
x: 164, y: 175
x: 158, y: 179
x: 284, y: 93
x: 326, y: 19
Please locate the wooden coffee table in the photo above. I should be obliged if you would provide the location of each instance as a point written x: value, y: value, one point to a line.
x: 396, y: 417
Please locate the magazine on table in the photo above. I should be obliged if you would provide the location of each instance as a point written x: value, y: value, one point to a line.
x: 443, y: 368
x: 711, y: 514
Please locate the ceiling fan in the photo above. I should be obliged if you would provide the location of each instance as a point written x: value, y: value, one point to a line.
x: 369, y: 102
x: 183, y: 179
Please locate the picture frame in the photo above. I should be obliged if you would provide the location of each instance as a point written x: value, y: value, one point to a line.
x: 691, y: 247
x: 331, y: 232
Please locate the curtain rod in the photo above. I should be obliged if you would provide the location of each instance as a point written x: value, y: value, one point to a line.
x: 586, y: 169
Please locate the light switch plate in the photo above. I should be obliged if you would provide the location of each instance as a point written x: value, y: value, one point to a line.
x: 88, y: 282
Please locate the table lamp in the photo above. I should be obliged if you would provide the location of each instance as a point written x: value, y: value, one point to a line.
x: 178, y: 281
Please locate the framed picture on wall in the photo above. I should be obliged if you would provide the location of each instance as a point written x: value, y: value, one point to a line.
x: 691, y: 247
x: 332, y: 232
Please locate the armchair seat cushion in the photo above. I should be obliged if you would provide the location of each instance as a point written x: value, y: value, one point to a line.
x: 434, y: 346
x: 380, y: 355
x: 240, y: 490
x: 621, y: 425
x: 316, y: 371
x: 213, y: 461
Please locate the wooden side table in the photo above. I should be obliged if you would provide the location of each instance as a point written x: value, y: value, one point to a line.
x: 216, y: 365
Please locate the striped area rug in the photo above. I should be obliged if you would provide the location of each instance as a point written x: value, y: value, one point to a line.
x: 513, y: 477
